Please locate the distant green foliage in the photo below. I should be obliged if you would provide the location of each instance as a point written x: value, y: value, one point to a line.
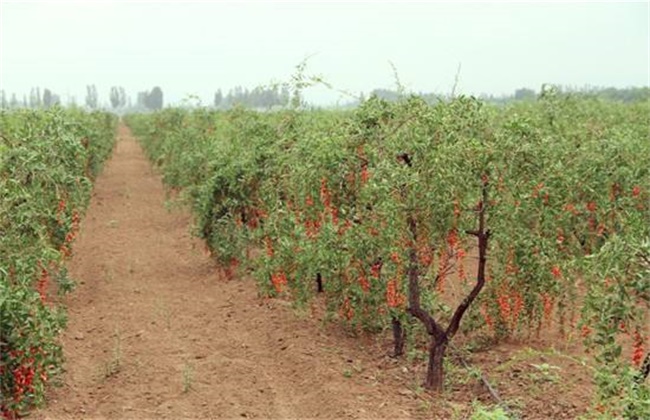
x: 152, y: 100
x: 260, y: 97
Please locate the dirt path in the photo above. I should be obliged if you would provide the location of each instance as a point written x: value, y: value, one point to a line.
x: 155, y: 332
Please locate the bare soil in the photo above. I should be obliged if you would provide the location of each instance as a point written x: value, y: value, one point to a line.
x: 156, y: 331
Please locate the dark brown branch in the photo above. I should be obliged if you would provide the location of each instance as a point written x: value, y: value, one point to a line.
x: 644, y: 371
x: 406, y: 159
x: 415, y: 308
x: 399, y: 337
x: 363, y: 160
x: 483, y: 237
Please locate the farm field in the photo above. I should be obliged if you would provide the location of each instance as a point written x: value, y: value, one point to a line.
x: 456, y: 227
x: 399, y: 260
x: 324, y: 210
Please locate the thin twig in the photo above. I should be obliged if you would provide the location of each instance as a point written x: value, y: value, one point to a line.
x: 493, y: 392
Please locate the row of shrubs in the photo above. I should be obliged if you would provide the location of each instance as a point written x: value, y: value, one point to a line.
x: 48, y: 161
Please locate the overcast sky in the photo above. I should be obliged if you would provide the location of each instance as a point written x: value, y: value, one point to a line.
x: 198, y: 47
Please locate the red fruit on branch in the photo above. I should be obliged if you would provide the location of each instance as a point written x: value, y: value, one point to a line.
x: 637, y: 353
x: 365, y: 175
x: 460, y: 258
x: 279, y: 280
x: 452, y: 239
x: 43, y: 281
x: 269, y: 247
x: 592, y: 224
x: 346, y: 310
x: 252, y: 222
x: 556, y: 272
x: 394, y: 298
x: 65, y: 251
x: 375, y: 269
x: 7, y: 414
x: 229, y: 271
x: 570, y: 208
x: 622, y: 327
x: 312, y: 228
x: 335, y: 215
x: 69, y: 237
x: 425, y: 256
x: 504, y: 306
x: 365, y: 284
x: 261, y: 214
x: 324, y: 193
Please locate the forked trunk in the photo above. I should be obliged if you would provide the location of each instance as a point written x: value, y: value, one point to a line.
x: 435, y: 379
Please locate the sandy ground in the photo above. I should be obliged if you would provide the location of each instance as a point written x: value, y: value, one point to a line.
x: 156, y: 332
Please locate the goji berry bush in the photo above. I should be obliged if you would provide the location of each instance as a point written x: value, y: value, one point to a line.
x: 48, y: 159
x: 433, y: 220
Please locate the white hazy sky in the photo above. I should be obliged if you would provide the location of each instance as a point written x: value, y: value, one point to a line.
x: 198, y: 47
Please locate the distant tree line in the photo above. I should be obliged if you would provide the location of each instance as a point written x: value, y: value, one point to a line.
x: 631, y: 94
x: 36, y: 99
x: 627, y: 95
x: 152, y: 99
x: 92, y: 99
x: 259, y: 97
x: 118, y: 99
x: 279, y: 96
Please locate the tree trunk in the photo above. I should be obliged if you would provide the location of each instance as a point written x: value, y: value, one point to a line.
x: 399, y: 336
x: 435, y: 379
